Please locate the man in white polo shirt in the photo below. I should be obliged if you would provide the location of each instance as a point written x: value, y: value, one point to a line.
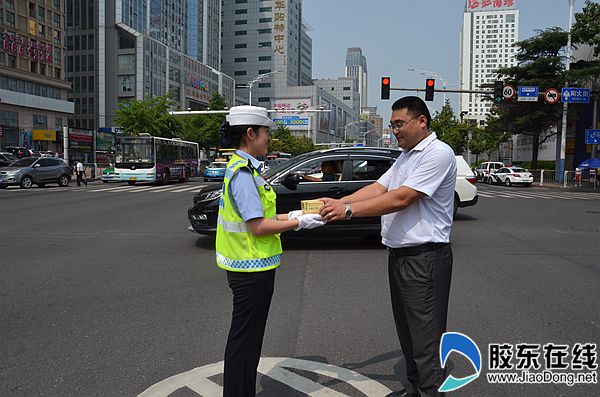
x: 415, y: 200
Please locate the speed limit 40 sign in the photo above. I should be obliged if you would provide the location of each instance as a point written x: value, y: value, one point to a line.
x: 508, y: 92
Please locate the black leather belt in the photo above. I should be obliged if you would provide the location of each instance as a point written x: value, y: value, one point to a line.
x: 417, y: 249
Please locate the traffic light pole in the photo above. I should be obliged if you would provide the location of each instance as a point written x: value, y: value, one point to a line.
x: 445, y: 90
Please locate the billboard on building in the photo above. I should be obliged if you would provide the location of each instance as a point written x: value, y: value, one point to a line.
x: 489, y: 5
x: 324, y: 117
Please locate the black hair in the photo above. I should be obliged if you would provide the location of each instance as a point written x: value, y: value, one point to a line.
x: 414, y: 106
x: 231, y: 135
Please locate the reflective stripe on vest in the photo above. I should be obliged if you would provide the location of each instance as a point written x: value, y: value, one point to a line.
x: 233, y: 227
x: 249, y: 264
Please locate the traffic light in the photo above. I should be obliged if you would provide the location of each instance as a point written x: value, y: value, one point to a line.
x: 429, y: 89
x: 498, y: 89
x: 385, y: 88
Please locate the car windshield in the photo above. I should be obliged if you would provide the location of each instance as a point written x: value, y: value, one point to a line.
x: 24, y: 162
x: 285, y: 164
x: 217, y: 165
x: 519, y: 170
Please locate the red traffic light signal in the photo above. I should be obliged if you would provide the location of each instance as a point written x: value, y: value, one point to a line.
x: 385, y: 87
x: 429, y: 89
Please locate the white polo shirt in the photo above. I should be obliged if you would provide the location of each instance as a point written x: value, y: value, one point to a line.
x: 430, y: 168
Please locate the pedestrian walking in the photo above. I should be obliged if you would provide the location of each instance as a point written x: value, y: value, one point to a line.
x: 80, y: 170
x: 415, y: 199
x: 577, y: 176
x: 248, y: 246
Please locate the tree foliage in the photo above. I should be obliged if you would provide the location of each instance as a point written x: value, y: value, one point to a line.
x: 150, y: 115
x: 449, y: 129
x: 586, y: 30
x: 205, y: 129
x: 539, y: 63
x: 284, y: 141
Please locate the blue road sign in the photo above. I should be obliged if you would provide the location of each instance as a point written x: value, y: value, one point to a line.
x: 528, y: 94
x: 291, y: 121
x: 575, y: 95
x: 592, y: 137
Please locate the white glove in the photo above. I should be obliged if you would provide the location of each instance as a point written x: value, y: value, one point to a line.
x: 309, y: 221
x: 294, y: 214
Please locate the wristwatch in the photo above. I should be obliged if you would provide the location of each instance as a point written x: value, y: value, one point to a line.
x: 348, y: 211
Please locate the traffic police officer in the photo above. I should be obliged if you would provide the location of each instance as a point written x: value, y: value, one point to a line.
x: 248, y: 246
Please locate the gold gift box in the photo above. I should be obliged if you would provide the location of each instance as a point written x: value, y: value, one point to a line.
x: 310, y: 206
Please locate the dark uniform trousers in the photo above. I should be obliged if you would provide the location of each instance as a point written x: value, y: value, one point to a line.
x: 252, y: 294
x: 420, y: 287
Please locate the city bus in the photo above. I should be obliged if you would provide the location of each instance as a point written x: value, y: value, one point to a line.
x: 146, y: 158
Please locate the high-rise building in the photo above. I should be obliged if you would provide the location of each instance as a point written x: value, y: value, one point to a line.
x: 490, y: 28
x: 261, y: 37
x: 356, y: 66
x: 33, y: 89
x: 124, y: 49
x: 344, y: 89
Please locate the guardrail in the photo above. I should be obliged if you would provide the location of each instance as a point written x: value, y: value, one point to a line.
x: 571, y: 178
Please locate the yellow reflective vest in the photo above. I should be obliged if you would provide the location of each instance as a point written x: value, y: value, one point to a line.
x: 238, y: 250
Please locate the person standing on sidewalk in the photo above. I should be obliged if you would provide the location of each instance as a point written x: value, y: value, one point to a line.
x: 80, y: 170
x: 248, y: 246
x: 415, y: 199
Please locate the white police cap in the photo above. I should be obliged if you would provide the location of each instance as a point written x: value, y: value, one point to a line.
x: 249, y: 115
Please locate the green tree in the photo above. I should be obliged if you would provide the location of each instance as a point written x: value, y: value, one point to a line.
x: 284, y: 141
x: 586, y: 30
x: 205, y: 129
x: 539, y: 63
x: 449, y: 129
x: 150, y: 115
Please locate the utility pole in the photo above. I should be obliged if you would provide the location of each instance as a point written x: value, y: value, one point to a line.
x: 563, y: 136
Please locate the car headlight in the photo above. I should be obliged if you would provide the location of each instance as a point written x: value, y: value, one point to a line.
x: 15, y: 172
x: 211, y: 195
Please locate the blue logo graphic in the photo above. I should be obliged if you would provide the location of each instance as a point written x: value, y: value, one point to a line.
x: 462, y: 344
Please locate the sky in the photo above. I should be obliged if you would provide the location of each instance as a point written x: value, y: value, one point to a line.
x: 396, y: 35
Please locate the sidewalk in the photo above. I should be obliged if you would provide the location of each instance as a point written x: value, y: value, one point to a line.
x: 559, y: 186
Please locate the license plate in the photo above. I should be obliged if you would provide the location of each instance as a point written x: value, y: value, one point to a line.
x: 133, y: 179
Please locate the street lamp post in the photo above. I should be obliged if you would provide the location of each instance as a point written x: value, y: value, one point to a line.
x: 563, y: 136
x: 256, y: 79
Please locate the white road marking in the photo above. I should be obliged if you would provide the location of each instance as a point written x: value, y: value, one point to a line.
x: 103, y: 189
x: 198, y: 380
x: 188, y: 188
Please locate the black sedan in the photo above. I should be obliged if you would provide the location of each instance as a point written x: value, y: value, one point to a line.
x: 301, y: 178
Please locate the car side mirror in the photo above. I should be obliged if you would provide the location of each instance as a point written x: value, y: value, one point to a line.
x: 291, y: 181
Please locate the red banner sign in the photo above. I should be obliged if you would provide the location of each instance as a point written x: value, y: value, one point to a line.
x: 32, y: 49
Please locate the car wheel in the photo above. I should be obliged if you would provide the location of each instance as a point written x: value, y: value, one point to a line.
x: 63, y: 181
x: 507, y: 182
x: 26, y: 182
x: 165, y: 177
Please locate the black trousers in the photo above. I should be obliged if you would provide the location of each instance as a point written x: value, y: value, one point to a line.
x: 420, y: 288
x: 252, y: 294
x: 81, y: 178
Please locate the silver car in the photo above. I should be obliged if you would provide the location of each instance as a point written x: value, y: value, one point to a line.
x: 35, y: 170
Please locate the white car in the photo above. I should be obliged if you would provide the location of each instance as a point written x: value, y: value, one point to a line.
x: 487, y: 167
x: 465, y: 191
x: 512, y: 176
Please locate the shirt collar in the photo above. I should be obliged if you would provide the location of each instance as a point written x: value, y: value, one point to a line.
x: 424, y: 143
x: 255, y: 163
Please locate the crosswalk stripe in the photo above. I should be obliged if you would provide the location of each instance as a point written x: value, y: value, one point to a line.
x: 108, y: 189
x: 188, y: 188
x: 147, y: 189
x: 169, y: 189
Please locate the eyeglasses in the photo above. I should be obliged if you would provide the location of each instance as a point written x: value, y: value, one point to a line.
x: 399, y: 124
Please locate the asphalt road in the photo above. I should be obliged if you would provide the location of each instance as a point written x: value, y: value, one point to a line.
x: 105, y: 293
